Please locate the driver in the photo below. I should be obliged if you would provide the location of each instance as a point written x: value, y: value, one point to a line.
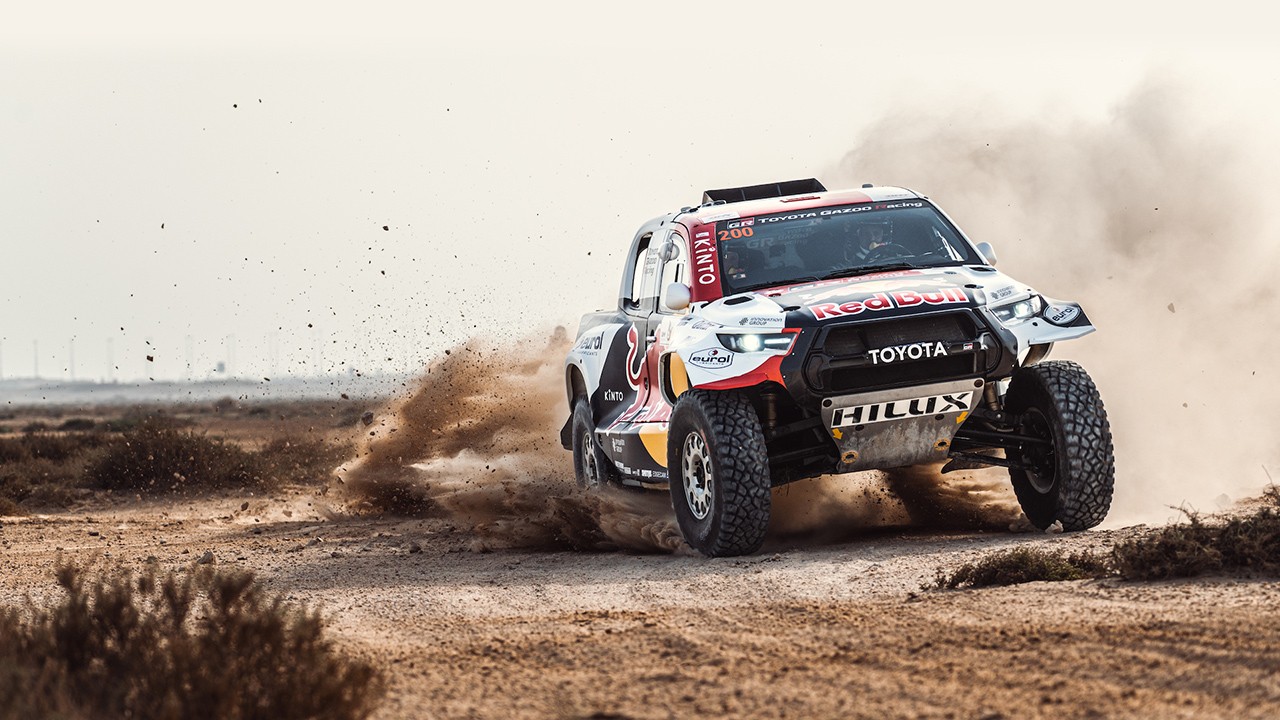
x: 867, y: 238
x: 734, y: 266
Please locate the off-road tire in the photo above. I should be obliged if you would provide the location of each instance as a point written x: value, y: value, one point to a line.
x: 738, y: 510
x: 587, y: 453
x: 1058, y: 400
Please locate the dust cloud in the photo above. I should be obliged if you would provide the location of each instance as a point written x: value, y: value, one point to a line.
x: 837, y: 508
x: 1155, y: 221
x: 1149, y: 217
x: 477, y: 441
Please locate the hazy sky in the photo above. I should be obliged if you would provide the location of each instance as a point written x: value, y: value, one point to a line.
x: 178, y: 177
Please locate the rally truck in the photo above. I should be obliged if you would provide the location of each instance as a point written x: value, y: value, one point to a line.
x: 779, y: 332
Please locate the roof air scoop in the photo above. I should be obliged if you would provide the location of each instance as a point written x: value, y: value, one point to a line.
x: 760, y: 192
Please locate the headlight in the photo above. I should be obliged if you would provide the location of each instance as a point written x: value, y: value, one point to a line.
x: 1019, y: 311
x: 756, y: 342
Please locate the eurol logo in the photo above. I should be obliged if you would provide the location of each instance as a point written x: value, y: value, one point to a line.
x: 1061, y: 314
x: 712, y: 359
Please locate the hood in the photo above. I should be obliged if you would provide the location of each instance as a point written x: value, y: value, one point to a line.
x: 889, y: 294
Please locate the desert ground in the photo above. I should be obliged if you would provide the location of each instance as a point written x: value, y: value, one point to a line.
x: 511, y: 594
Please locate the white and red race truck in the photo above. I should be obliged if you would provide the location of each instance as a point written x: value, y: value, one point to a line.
x: 779, y: 332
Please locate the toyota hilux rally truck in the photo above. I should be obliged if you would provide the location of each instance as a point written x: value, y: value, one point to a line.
x: 779, y: 332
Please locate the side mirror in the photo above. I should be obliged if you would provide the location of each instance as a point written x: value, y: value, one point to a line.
x: 676, y: 296
x: 669, y: 251
x: 988, y: 253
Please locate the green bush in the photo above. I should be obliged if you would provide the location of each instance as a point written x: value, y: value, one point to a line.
x: 207, y: 645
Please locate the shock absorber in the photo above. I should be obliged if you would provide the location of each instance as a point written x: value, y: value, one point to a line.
x: 992, y: 395
x: 770, y: 403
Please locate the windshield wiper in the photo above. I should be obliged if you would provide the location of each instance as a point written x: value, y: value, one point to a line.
x: 868, y: 269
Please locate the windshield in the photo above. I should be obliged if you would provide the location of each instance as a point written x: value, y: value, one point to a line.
x: 846, y: 240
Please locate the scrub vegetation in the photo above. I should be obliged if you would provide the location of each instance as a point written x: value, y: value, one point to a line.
x: 1022, y: 565
x: 1248, y: 544
x: 53, y: 464
x: 207, y: 644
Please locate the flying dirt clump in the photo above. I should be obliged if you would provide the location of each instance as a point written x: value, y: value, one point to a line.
x: 477, y: 441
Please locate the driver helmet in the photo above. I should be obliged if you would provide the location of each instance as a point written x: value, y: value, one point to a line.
x: 872, y: 236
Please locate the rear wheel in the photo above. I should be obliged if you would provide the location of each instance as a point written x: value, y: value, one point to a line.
x: 590, y: 465
x: 1069, y: 472
x: 719, y: 473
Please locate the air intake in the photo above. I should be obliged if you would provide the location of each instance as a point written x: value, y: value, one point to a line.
x: 760, y: 192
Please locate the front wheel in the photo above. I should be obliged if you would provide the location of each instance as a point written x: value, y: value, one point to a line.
x: 718, y: 472
x: 1069, y: 468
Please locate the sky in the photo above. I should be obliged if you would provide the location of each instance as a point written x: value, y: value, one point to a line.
x: 306, y: 188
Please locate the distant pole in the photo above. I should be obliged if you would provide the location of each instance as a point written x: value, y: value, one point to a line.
x: 231, y: 355
x: 190, y: 360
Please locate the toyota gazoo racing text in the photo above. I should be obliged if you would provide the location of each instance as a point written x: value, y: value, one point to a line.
x: 779, y: 332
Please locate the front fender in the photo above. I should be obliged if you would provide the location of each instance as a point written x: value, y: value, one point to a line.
x: 1059, y: 320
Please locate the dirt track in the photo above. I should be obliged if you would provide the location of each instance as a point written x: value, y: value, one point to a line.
x: 839, y: 629
x: 499, y: 599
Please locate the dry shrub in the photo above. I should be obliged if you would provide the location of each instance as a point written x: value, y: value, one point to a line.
x: 302, y: 459
x: 157, y: 457
x: 1197, y: 547
x: 77, y: 425
x: 144, y: 416
x: 225, y: 404
x: 1023, y: 565
x: 14, y: 449
x: 42, y: 469
x: 206, y: 645
x: 1249, y: 544
x: 48, y: 446
x: 41, y: 483
x: 10, y: 508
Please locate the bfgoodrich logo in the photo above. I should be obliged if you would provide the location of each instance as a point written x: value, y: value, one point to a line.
x: 713, y: 359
